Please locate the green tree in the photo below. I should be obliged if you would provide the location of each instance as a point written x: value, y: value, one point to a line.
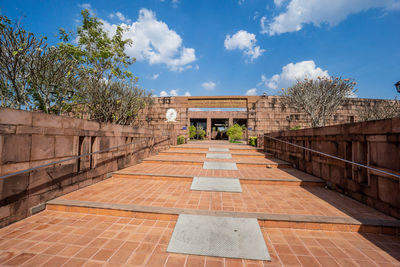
x: 192, y: 132
x: 235, y: 132
x: 17, y: 49
x: 110, y: 93
x: 101, y: 55
x: 200, y: 132
x: 53, y: 79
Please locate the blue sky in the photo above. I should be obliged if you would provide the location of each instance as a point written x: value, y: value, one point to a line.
x: 238, y: 47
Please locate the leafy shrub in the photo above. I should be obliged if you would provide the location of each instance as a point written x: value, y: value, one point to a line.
x: 201, y: 133
x: 235, y: 132
x: 192, y: 132
x: 253, y: 140
x: 294, y: 128
x: 180, y: 140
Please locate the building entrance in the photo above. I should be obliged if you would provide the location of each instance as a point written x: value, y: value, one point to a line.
x: 219, y: 128
x: 199, y: 124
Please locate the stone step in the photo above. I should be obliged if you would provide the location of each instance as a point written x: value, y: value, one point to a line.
x: 244, y: 180
x: 294, y: 221
x: 231, y: 149
x: 200, y: 162
x: 203, y: 153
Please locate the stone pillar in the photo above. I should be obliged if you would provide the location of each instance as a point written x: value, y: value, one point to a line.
x: 208, y: 132
x: 230, y: 121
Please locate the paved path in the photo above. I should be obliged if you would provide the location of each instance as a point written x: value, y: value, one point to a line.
x: 128, y: 220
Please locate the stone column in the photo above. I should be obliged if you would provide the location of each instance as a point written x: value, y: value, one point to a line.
x: 230, y: 121
x: 208, y: 132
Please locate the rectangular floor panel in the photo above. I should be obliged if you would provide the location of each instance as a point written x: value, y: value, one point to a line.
x: 216, y: 184
x: 218, y: 156
x: 218, y: 149
x: 218, y: 237
x: 209, y: 165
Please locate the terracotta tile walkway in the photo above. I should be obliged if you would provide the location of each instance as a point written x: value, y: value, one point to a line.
x: 255, y: 198
x: 194, y: 170
x: 202, y: 158
x: 53, y: 238
x: 56, y: 238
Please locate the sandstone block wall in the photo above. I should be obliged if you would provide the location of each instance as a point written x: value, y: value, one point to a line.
x: 374, y: 143
x: 264, y: 114
x: 29, y: 139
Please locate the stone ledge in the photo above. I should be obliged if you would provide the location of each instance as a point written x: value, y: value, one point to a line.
x: 200, y: 162
x: 261, y: 155
x: 278, y: 220
x: 310, y: 182
x: 241, y: 149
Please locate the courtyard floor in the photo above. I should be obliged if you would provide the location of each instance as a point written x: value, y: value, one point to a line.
x: 128, y: 220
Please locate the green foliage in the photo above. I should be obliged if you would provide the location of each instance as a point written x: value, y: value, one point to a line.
x: 18, y: 49
x: 196, y: 133
x: 253, y: 140
x: 235, y: 132
x: 294, y: 128
x: 103, y: 56
x: 200, y: 132
x: 192, y: 132
x: 180, y: 139
x: 87, y: 79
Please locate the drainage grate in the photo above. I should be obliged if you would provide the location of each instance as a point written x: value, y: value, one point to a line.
x: 216, y: 184
x: 209, y: 165
x: 218, y: 149
x: 218, y: 156
x: 219, y: 237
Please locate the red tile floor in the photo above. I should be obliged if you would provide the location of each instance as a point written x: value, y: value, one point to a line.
x: 56, y: 238
x: 53, y: 238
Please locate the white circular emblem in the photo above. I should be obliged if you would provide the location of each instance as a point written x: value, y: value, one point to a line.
x: 171, y: 114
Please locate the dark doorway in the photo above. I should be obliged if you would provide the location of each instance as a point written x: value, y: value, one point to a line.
x: 218, y: 129
x: 199, y: 123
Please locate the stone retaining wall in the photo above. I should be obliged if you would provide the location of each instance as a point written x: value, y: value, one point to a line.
x: 374, y: 143
x: 29, y: 139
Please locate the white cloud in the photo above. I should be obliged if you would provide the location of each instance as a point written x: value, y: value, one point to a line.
x: 264, y: 28
x: 209, y: 85
x: 85, y: 6
x: 319, y: 12
x: 120, y: 16
x: 173, y: 92
x: 278, y: 3
x: 252, y: 91
x: 153, y: 77
x: 240, y: 2
x: 245, y: 41
x: 155, y: 43
x: 293, y: 72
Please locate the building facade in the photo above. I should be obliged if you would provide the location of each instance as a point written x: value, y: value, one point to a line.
x: 257, y: 114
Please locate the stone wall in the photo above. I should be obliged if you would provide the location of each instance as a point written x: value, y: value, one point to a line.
x: 29, y: 139
x: 264, y: 114
x: 154, y: 117
x: 374, y: 143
